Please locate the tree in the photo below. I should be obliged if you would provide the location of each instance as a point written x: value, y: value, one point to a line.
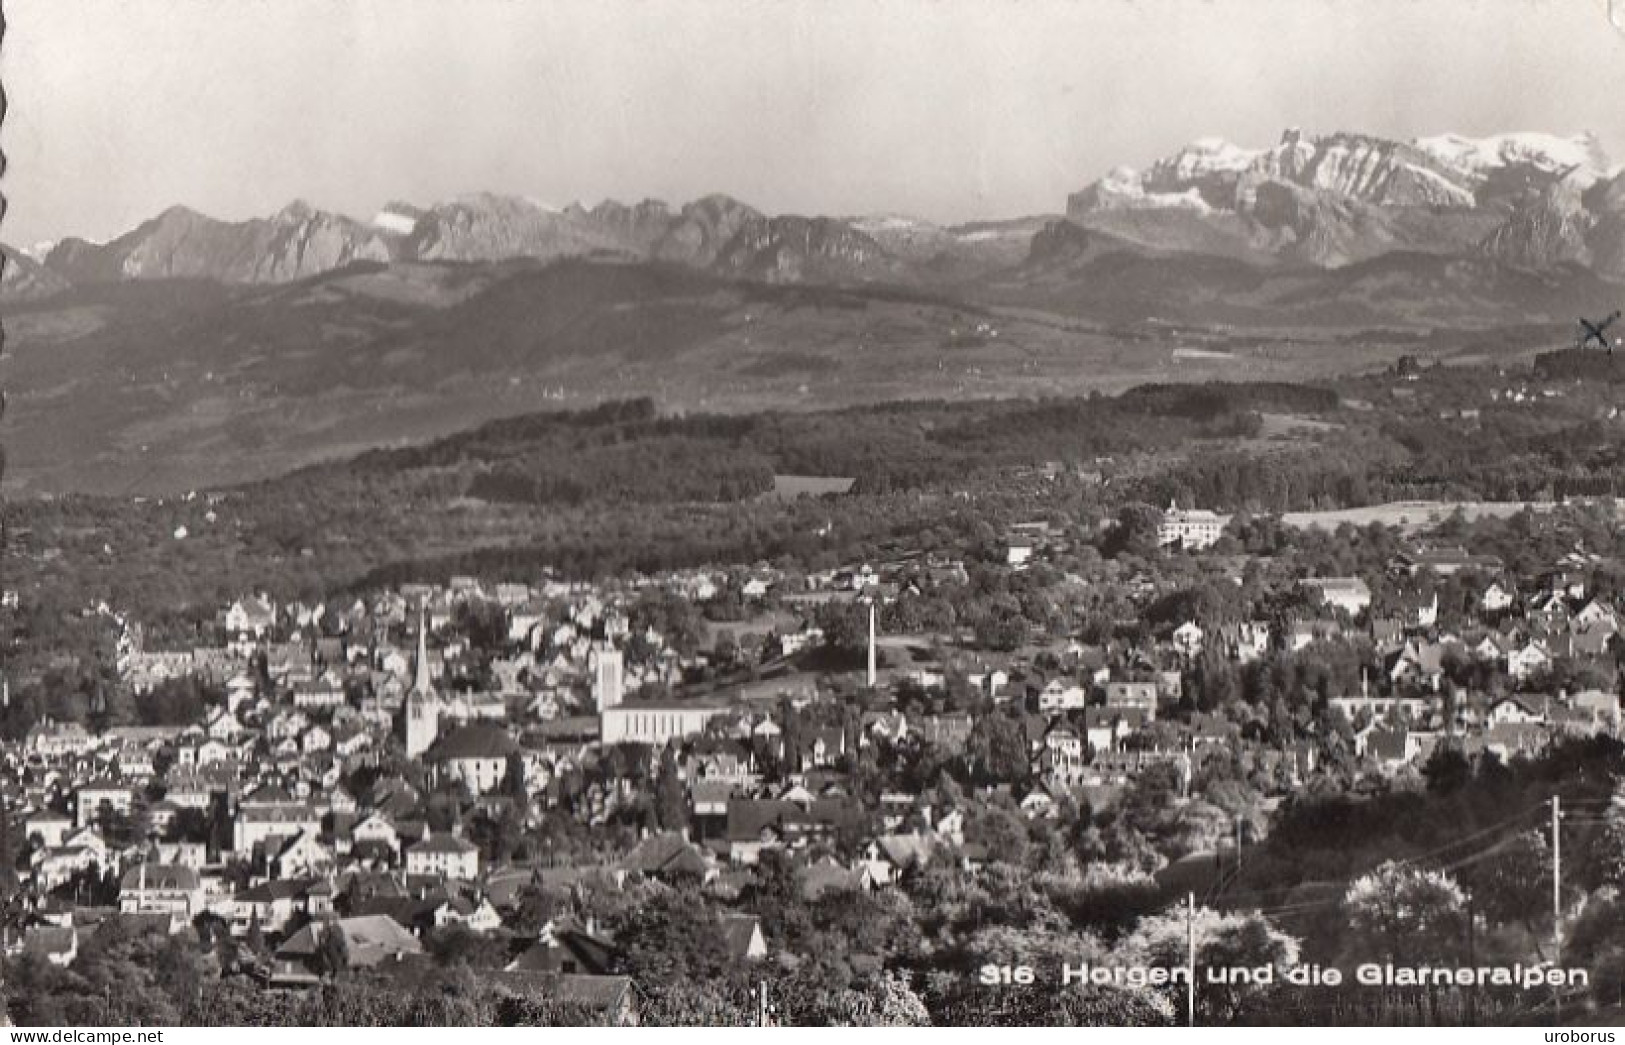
x: 1199, y: 826
x: 1447, y: 770
x: 332, y: 949
x: 1134, y: 532
x: 514, y: 783
x: 1513, y: 884
x: 461, y: 946
x: 1001, y: 831
x: 10, y: 845
x: 484, y: 623
x: 726, y: 647
x: 1401, y: 911
x: 845, y: 625
x: 894, y: 1003
x: 1610, y: 848
x: 1226, y: 941
x: 1597, y: 943
x: 673, y: 939
x: 671, y: 802
x: 957, y: 1000
x: 256, y: 937
x: 996, y: 750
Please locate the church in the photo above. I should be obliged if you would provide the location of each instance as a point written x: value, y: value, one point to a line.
x: 422, y: 702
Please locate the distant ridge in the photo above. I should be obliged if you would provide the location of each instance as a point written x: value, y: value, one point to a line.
x: 715, y: 234
x: 1530, y: 200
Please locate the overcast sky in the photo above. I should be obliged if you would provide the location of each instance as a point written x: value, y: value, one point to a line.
x: 948, y: 109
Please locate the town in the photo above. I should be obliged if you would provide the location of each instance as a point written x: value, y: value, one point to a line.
x: 820, y: 515
x: 559, y: 783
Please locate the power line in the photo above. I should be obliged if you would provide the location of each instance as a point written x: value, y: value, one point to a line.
x: 1294, y: 907
x: 1275, y: 912
x: 1446, y: 847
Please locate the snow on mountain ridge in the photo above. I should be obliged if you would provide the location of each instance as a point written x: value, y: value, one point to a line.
x: 888, y: 223
x: 1125, y: 188
x: 1462, y: 196
x: 1449, y: 170
x: 1210, y: 155
x: 394, y: 221
x: 1549, y: 152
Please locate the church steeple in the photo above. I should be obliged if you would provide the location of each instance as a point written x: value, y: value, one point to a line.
x: 422, y: 704
x: 421, y: 681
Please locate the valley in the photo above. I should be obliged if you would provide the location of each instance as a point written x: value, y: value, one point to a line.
x: 192, y: 352
x: 170, y: 386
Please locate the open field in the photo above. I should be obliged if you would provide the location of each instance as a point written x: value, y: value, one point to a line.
x: 1411, y: 516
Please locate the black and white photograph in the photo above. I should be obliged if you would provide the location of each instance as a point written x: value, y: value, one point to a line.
x: 811, y: 513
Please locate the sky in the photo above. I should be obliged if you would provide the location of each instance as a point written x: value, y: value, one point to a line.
x: 950, y: 110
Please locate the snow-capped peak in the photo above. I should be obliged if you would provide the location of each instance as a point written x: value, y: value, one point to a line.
x: 1581, y: 153
x: 395, y: 221
x: 1123, y: 188
x: 1211, y: 155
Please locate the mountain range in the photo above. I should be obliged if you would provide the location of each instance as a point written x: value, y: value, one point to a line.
x: 716, y: 234
x: 192, y: 351
x: 1528, y: 200
x: 1531, y: 201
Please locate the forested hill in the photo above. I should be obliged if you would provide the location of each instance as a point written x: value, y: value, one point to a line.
x: 574, y: 491
x: 628, y: 451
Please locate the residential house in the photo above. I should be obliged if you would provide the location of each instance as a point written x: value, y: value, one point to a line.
x: 369, y: 940
x: 1061, y: 694
x: 161, y: 889
x: 1527, y: 660
x: 1187, y: 639
x: 1496, y: 598
x: 1349, y: 594
x: 257, y: 824
x: 444, y: 854
x: 100, y: 797
x: 1133, y: 696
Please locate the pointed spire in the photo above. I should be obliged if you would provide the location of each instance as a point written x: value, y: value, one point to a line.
x: 421, y: 683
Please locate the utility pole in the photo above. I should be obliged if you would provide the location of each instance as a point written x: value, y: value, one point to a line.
x: 1557, y: 878
x: 1472, y: 959
x: 1190, y: 958
x: 1557, y: 896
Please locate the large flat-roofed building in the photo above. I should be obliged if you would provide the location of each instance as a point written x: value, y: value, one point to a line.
x: 654, y: 723
x: 1191, y: 528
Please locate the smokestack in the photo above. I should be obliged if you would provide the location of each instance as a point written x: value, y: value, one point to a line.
x: 871, y: 645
